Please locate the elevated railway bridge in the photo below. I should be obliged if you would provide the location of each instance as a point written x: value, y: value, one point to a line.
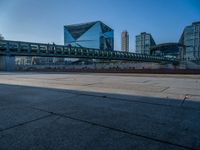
x: 19, y: 48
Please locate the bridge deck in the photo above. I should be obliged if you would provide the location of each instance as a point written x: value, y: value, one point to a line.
x: 19, y: 48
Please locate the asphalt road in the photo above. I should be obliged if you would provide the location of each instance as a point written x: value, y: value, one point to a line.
x: 99, y: 111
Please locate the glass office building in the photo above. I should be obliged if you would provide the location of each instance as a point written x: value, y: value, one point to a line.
x: 191, y: 39
x: 143, y: 43
x: 89, y: 35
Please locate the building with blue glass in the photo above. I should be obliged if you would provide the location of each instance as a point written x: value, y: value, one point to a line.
x: 143, y: 43
x: 95, y: 35
x: 191, y: 39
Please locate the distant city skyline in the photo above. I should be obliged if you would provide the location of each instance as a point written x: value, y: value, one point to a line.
x: 43, y: 21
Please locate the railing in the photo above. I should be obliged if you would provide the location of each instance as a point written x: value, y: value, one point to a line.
x: 18, y: 48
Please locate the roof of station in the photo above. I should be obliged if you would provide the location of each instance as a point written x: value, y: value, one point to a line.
x: 164, y: 46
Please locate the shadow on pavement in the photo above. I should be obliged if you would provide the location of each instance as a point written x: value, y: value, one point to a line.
x: 48, y: 118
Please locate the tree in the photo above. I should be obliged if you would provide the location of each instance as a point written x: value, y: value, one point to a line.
x: 1, y: 37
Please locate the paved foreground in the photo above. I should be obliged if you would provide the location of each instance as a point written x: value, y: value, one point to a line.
x: 99, y: 111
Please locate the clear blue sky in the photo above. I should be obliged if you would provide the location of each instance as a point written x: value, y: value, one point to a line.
x: 43, y: 20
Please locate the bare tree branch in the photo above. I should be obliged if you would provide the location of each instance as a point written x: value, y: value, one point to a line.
x: 1, y: 37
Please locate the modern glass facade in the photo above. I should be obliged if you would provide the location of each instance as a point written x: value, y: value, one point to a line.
x: 89, y: 35
x: 143, y: 43
x: 191, y: 39
x: 170, y: 50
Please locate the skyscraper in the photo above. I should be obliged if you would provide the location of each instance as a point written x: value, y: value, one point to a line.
x: 125, y: 41
x: 89, y: 35
x: 143, y: 43
x: 191, y: 39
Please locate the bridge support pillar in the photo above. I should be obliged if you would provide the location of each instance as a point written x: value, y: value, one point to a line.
x: 7, y: 63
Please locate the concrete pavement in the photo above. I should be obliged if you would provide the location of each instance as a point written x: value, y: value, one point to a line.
x: 99, y: 111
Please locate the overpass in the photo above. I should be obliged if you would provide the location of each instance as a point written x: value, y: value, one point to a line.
x: 19, y: 48
x: 10, y: 49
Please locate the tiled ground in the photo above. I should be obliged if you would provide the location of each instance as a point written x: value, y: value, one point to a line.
x: 99, y: 111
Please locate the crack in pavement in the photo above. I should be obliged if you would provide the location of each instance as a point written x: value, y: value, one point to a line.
x: 107, y: 97
x: 90, y: 84
x: 164, y: 89
x: 187, y: 96
x: 26, y: 122
x: 133, y: 101
x: 116, y: 129
x: 146, y: 81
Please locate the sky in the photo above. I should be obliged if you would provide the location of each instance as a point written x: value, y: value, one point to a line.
x: 44, y: 20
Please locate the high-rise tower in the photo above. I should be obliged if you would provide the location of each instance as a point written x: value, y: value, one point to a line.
x: 125, y: 41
